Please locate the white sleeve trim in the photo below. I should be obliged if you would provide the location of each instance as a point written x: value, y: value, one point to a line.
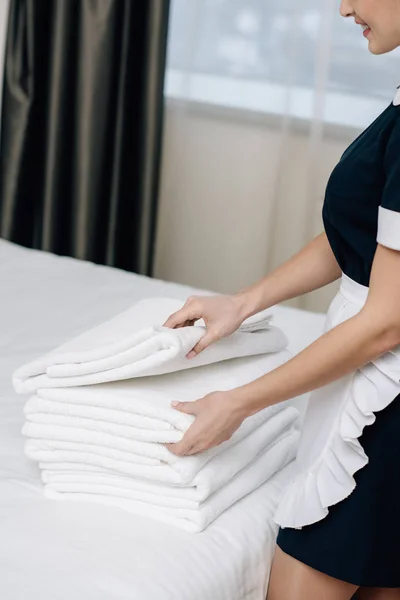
x: 388, y: 228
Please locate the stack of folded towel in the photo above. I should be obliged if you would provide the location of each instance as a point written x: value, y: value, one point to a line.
x: 100, y: 413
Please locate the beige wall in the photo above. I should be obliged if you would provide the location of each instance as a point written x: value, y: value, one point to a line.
x: 4, y: 7
x: 218, y: 226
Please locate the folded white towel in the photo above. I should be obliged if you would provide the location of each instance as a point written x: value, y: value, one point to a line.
x: 190, y: 519
x: 145, y: 405
x: 135, y: 344
x: 202, y: 473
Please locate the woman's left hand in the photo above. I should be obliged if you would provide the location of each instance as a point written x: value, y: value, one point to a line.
x: 218, y: 416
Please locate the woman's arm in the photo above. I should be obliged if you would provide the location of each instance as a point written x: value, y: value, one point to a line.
x: 310, y: 269
x: 343, y: 349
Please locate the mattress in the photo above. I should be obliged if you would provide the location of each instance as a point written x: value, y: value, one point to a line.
x: 59, y: 551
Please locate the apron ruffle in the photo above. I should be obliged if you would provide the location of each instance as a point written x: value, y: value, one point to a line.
x: 330, y: 477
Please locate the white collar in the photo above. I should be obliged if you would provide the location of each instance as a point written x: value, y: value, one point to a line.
x: 396, y: 99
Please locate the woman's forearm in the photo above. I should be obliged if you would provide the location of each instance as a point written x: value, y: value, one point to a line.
x: 338, y: 352
x: 312, y: 268
x: 342, y: 350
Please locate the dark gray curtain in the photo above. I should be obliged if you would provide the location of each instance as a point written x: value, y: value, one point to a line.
x: 81, y: 127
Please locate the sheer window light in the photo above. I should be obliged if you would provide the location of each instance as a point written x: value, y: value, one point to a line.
x: 275, y: 57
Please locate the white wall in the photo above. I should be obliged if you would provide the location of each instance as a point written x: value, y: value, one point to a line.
x: 217, y: 228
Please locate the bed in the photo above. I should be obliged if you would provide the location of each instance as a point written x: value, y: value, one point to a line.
x: 61, y: 551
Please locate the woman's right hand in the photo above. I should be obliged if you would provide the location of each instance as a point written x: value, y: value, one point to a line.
x: 222, y: 316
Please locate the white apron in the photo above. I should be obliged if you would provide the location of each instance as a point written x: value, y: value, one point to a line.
x: 329, y: 449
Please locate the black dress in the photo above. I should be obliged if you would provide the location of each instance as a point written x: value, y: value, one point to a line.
x: 359, y: 539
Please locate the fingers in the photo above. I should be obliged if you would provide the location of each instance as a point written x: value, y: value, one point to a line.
x: 187, y: 446
x: 202, y: 344
x: 187, y: 323
x: 183, y: 448
x: 176, y: 319
x: 188, y: 314
x: 190, y: 408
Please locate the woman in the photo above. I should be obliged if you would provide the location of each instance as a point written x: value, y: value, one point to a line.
x: 340, y: 517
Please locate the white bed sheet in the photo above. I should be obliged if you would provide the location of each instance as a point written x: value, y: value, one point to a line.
x: 60, y: 551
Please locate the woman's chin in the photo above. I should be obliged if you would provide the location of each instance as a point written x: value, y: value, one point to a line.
x: 376, y: 48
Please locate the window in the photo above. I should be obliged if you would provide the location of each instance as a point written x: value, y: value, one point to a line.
x: 249, y: 53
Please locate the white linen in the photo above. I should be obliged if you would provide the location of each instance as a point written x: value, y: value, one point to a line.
x: 135, y: 344
x: 120, y: 426
x: 140, y: 409
x: 194, y: 519
x: 145, y: 403
x: 46, y: 299
x: 204, y: 473
x: 330, y: 452
x: 87, y: 550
